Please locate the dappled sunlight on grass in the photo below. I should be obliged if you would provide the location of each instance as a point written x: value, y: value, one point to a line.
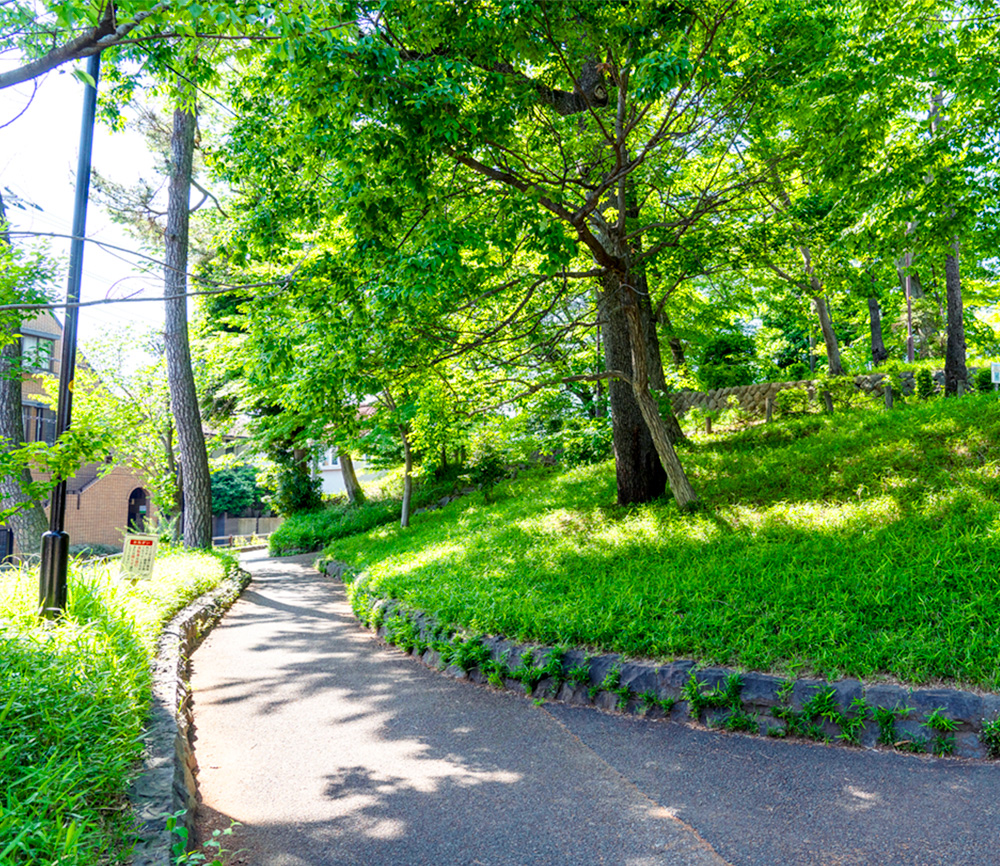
x: 821, y: 549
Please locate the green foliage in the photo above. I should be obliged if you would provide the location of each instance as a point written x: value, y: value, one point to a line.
x: 727, y: 361
x: 942, y: 740
x: 793, y: 401
x: 823, y: 549
x: 75, y: 699
x: 312, y: 530
x: 984, y: 380
x: 297, y: 491
x: 925, y: 384
x: 486, y: 472
x: 990, y: 736
x: 235, y: 490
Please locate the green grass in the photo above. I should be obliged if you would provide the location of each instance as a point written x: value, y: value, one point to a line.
x: 861, y: 544
x: 74, y: 696
x: 311, y: 530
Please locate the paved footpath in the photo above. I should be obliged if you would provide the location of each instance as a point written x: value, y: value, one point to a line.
x: 330, y: 748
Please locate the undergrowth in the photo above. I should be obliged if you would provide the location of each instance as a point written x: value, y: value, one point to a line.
x: 311, y: 530
x: 856, y: 544
x: 74, y: 695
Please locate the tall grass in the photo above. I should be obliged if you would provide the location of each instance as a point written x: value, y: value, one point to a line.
x: 859, y: 544
x: 74, y: 695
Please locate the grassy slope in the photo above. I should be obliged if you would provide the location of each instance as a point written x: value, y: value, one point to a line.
x: 861, y: 544
x: 73, y: 699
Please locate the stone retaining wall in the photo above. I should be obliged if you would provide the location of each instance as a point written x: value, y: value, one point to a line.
x: 851, y: 712
x: 166, y: 784
x: 753, y: 398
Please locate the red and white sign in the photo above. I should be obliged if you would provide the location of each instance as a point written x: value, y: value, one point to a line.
x: 138, y: 555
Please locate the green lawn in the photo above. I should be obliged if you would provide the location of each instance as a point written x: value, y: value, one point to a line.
x: 863, y: 543
x: 73, y: 700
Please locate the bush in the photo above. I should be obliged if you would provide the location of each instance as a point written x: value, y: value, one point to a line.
x: 297, y: 491
x: 925, y: 384
x: 580, y: 443
x: 488, y: 471
x: 793, y: 401
x: 984, y: 380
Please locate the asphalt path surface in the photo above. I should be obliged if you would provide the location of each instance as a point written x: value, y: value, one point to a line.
x: 330, y: 748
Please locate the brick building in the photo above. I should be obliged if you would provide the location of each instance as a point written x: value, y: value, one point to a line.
x: 102, y: 499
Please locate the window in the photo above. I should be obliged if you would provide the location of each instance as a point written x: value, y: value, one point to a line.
x: 36, y: 353
x: 39, y: 424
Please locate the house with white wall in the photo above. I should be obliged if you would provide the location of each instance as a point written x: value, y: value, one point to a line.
x: 328, y: 468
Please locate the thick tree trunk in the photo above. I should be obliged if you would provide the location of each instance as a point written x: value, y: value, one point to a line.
x: 638, y: 471
x: 879, y: 352
x: 404, y: 519
x: 354, y: 492
x: 29, y: 522
x: 679, y: 485
x: 183, y: 398
x: 954, y: 361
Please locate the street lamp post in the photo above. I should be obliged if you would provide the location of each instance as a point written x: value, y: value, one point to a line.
x: 55, y: 542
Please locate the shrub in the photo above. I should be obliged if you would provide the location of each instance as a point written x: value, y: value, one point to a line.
x: 487, y: 472
x: 925, y: 384
x: 793, y: 401
x: 984, y: 380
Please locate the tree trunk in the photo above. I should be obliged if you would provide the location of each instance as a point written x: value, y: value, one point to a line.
x: 197, y: 486
x: 829, y: 336
x: 354, y: 492
x: 954, y: 361
x: 679, y: 485
x: 404, y: 519
x: 638, y: 472
x: 879, y: 352
x: 29, y: 523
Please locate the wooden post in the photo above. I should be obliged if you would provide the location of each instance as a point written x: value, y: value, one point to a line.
x: 828, y: 401
x: 887, y: 391
x: 708, y: 424
x: 769, y: 408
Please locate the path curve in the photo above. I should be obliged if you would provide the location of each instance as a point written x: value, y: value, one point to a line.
x: 330, y: 748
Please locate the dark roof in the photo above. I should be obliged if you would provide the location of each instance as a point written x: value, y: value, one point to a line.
x: 87, y: 474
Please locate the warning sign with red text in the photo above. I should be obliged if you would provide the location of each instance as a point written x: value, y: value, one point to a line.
x: 138, y: 555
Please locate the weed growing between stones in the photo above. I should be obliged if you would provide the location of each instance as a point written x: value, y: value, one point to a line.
x: 943, y: 740
x: 497, y: 670
x: 990, y: 736
x: 649, y: 700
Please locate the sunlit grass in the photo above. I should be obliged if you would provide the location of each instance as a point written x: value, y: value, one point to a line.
x: 74, y: 695
x: 858, y: 544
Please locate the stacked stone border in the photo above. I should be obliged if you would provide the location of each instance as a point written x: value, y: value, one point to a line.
x: 939, y: 721
x: 166, y: 784
x: 753, y: 398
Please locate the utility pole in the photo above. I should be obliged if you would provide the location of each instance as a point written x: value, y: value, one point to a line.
x: 55, y: 542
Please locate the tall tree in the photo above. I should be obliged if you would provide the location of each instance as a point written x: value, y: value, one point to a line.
x: 195, y: 475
